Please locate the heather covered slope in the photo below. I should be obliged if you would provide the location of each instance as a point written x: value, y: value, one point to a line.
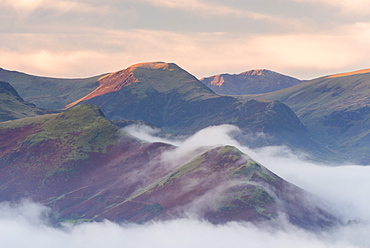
x: 172, y: 99
x: 249, y: 82
x: 12, y: 106
x: 49, y: 93
x: 85, y: 168
x: 336, y: 111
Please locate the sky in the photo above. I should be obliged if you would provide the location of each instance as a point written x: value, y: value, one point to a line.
x: 80, y: 38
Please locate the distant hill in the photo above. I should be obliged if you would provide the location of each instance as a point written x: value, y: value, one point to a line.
x: 86, y: 169
x: 249, y: 82
x: 174, y: 100
x: 49, y: 93
x: 12, y: 106
x: 335, y: 109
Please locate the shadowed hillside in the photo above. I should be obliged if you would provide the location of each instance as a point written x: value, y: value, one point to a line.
x: 84, y: 168
x: 12, y: 106
x: 49, y: 93
x: 249, y: 82
x: 172, y: 99
x: 335, y: 109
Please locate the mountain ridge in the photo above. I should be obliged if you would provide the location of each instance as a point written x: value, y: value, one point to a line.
x: 249, y: 82
x: 12, y: 105
x: 345, y: 74
x: 66, y: 162
x: 334, y: 109
x: 46, y: 92
x: 115, y: 81
x: 172, y: 99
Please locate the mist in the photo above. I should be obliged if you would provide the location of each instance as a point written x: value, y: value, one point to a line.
x: 346, y: 188
x: 21, y: 227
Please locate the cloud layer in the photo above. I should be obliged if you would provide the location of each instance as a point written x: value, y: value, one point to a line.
x: 28, y: 224
x: 343, y: 187
x: 84, y: 38
x: 24, y: 225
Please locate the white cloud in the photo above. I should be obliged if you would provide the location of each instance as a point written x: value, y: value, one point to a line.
x: 208, y: 8
x: 53, y: 63
x: 26, y: 7
x: 342, y: 186
x: 208, y: 137
x: 345, y: 6
x: 148, y: 134
x: 20, y: 228
x: 304, y: 55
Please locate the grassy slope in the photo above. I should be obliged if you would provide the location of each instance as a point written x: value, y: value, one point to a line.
x: 78, y: 163
x: 335, y: 110
x: 172, y: 99
x: 12, y: 106
x: 50, y: 93
x: 72, y: 133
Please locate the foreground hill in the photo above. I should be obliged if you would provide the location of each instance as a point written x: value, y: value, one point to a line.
x: 12, y: 106
x: 249, y: 82
x: 85, y: 168
x: 49, y: 93
x: 335, y: 109
x: 174, y: 100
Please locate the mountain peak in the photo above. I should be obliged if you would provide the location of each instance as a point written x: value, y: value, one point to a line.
x: 155, y: 65
x: 249, y: 82
x: 158, y: 76
x: 257, y: 72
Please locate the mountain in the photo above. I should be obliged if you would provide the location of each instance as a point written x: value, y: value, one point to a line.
x: 174, y: 100
x: 48, y: 93
x: 87, y: 169
x: 12, y: 106
x: 335, y: 109
x: 249, y: 82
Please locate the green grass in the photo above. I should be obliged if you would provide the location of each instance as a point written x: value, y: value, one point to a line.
x: 333, y: 110
x: 50, y: 93
x: 81, y: 128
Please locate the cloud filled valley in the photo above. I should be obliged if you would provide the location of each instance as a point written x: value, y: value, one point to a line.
x: 28, y: 224
x: 25, y: 225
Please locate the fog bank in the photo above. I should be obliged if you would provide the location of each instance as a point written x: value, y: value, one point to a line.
x: 347, y: 188
x: 20, y: 227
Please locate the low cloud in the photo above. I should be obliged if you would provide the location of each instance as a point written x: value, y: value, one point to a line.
x: 18, y: 228
x: 208, y: 137
x: 27, y: 224
x: 150, y: 134
x: 344, y: 187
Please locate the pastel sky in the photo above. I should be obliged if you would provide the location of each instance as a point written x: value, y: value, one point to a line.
x: 80, y: 38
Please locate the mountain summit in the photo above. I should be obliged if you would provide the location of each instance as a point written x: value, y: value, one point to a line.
x: 162, y: 77
x: 172, y: 99
x: 175, y: 101
x: 249, y: 82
